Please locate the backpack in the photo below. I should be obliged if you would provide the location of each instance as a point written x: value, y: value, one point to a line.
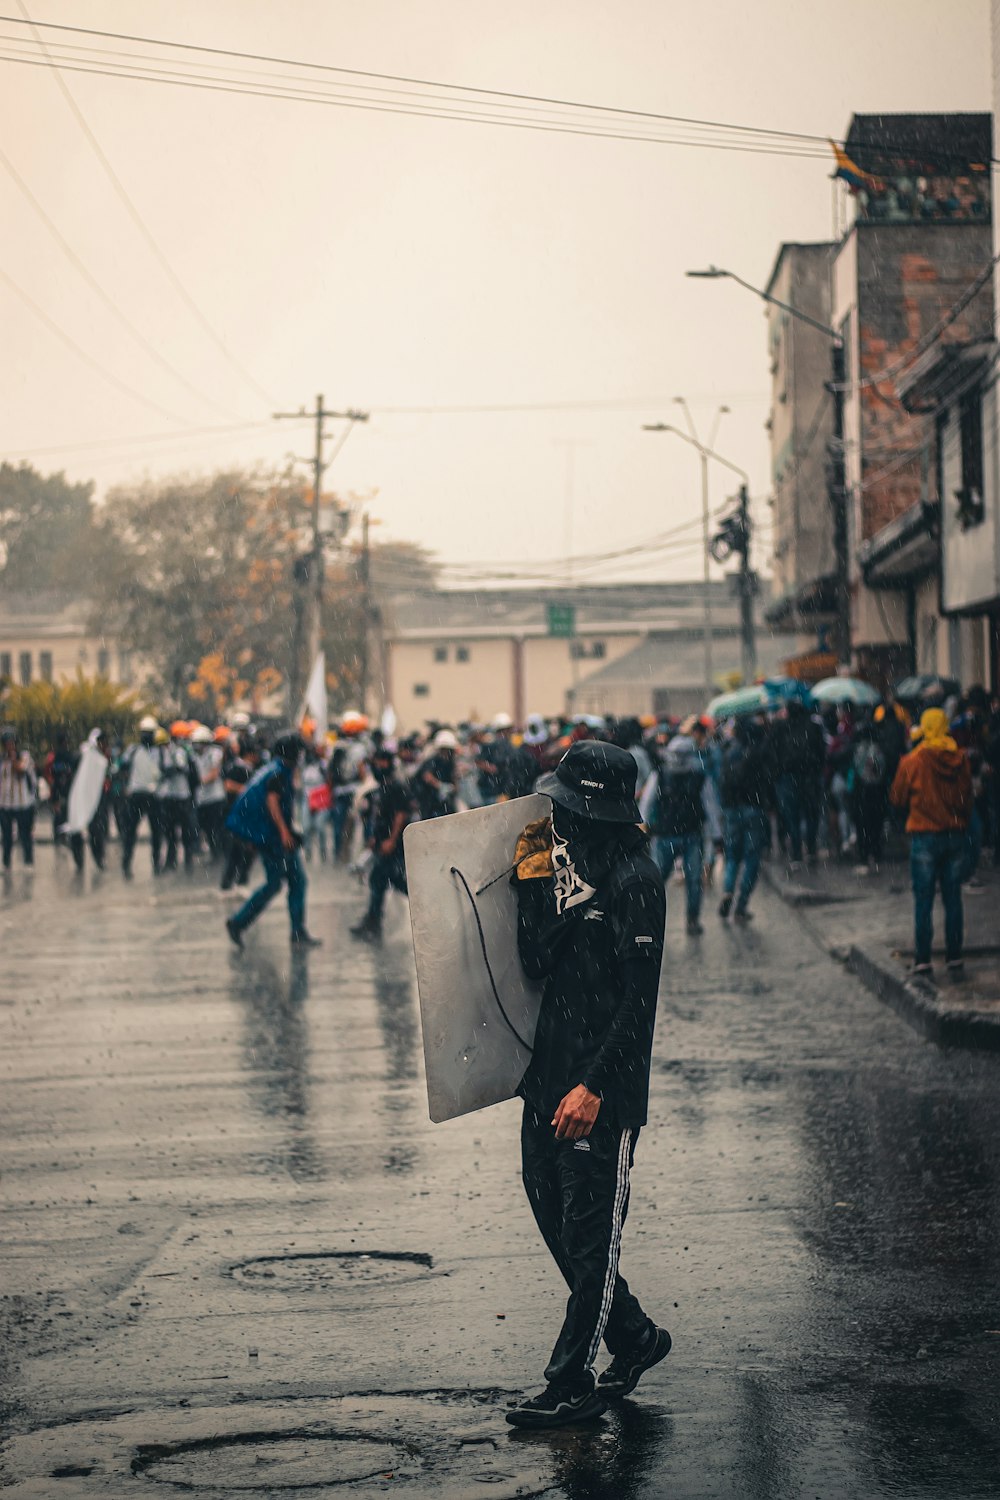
x: 870, y: 765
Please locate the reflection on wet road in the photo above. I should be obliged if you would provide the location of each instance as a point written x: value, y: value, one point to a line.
x: 221, y: 1189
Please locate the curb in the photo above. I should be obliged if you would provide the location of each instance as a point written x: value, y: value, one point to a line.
x: 803, y: 895
x: 919, y: 1002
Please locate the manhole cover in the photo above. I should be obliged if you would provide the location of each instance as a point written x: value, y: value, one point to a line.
x: 330, y: 1269
x: 274, y: 1462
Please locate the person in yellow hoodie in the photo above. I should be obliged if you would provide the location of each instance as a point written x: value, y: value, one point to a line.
x: 934, y: 786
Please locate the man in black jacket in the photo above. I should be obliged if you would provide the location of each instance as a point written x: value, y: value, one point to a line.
x: 800, y: 751
x: 591, y: 914
x: 746, y: 792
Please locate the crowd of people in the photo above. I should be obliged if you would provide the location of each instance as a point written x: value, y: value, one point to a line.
x: 800, y: 781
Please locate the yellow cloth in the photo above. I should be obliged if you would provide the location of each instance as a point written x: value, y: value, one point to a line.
x: 533, y: 854
x: 934, y: 728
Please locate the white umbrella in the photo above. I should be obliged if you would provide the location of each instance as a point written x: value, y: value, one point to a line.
x: 846, y: 690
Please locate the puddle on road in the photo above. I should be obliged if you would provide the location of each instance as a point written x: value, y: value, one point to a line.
x: 252, y: 1461
x: 452, y: 1444
x: 330, y: 1270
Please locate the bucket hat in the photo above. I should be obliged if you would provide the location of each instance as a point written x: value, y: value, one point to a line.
x: 596, y: 780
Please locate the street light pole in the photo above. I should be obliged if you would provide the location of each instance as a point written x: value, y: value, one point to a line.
x: 836, y: 488
x: 705, y: 453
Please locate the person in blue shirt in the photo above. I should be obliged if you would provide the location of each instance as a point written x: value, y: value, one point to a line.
x: 262, y: 817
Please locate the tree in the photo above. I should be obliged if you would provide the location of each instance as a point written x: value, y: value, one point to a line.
x: 46, y: 531
x: 198, y: 576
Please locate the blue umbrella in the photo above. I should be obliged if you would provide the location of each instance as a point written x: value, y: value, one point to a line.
x: 846, y: 690
x: 787, y: 688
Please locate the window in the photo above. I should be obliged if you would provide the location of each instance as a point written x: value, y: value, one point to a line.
x: 45, y: 665
x: 461, y: 653
x: 421, y: 690
x: 587, y: 650
x: 103, y: 661
x: 124, y: 669
x: 6, y: 665
x: 440, y: 653
x: 24, y: 667
x: 971, y: 510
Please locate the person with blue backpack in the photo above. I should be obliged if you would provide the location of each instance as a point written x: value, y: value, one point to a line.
x: 262, y: 817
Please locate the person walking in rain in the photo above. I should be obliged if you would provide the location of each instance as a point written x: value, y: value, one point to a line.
x: 392, y: 808
x: 934, y: 786
x: 178, y: 779
x: 262, y: 817
x: 591, y: 916
x: 18, y: 789
x: 141, y: 775
x: 747, y: 791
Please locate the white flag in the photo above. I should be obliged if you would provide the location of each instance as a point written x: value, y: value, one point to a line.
x: 315, y: 704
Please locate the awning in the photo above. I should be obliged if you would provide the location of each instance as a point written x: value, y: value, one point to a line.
x: 943, y: 372
x: 811, y: 602
x: 904, y: 552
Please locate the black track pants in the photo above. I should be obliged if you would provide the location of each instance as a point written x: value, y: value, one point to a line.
x: 578, y: 1191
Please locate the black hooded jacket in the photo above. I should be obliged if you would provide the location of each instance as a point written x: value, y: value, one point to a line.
x: 601, y: 967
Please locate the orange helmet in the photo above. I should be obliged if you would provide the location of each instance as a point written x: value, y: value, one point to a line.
x: 222, y: 734
x: 353, y: 722
x: 180, y: 729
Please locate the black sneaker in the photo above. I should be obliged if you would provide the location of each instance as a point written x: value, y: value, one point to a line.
x: 742, y: 915
x: 235, y: 935
x: 367, y: 930
x: 306, y: 940
x: 955, y: 968
x: 922, y: 971
x: 694, y: 928
x: 725, y: 906
x: 622, y: 1375
x: 558, y: 1406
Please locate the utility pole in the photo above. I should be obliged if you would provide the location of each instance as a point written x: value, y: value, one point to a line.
x: 309, y: 570
x: 734, y: 536
x: 366, y: 612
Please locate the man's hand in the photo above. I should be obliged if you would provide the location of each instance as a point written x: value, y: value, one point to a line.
x: 387, y: 847
x: 287, y: 838
x: 576, y: 1114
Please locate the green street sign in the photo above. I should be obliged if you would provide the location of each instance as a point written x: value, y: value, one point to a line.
x: 562, y: 620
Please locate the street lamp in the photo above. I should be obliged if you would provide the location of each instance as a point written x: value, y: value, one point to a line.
x: 706, y: 452
x: 835, y: 485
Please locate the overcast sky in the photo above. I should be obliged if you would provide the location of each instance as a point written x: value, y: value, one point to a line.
x: 395, y: 262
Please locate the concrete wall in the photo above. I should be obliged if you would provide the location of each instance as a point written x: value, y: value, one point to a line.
x: 801, y: 418
x: 487, y: 683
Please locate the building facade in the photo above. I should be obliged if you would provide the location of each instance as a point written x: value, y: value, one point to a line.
x: 463, y: 656
x: 908, y: 279
x: 803, y: 582
x: 44, y: 639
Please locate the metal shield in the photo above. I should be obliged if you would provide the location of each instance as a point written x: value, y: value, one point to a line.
x: 477, y: 1043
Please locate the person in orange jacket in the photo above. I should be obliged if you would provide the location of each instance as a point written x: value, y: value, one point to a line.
x: 934, y: 786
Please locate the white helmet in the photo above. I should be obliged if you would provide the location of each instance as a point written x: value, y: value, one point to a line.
x: 445, y: 740
x: 240, y: 721
x: 202, y: 735
x: 502, y: 721
x: 148, y: 725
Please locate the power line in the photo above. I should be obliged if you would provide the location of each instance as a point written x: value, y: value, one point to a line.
x: 82, y: 353
x: 303, y: 96
x: 98, y: 289
x: 131, y: 209
x: 505, y: 94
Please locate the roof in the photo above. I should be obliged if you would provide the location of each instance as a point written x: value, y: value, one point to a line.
x: 946, y: 141
x: 43, y: 614
x: 600, y: 609
x: 811, y: 249
x: 661, y: 660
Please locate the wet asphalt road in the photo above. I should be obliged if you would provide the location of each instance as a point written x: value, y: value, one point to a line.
x: 237, y: 1259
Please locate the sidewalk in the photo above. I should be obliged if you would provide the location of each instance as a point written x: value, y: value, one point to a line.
x: 867, y: 922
